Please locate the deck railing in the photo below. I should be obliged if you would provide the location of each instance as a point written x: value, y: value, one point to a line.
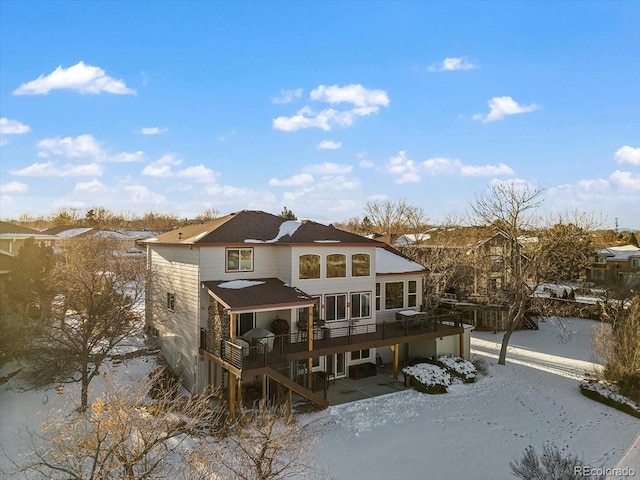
x: 270, y: 351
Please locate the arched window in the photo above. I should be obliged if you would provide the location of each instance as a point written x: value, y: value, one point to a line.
x: 360, y: 265
x: 309, y: 266
x: 336, y: 265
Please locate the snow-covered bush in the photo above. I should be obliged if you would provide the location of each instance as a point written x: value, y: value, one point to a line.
x: 428, y: 378
x: 609, y: 394
x: 458, y: 367
x: 481, y: 366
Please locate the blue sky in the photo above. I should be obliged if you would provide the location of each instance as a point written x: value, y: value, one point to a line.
x: 320, y: 106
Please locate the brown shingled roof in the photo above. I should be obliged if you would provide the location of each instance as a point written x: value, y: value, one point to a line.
x: 250, y: 226
x: 270, y: 293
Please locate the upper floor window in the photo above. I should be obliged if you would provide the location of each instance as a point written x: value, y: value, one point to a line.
x: 360, y: 265
x: 361, y: 305
x: 393, y: 295
x: 309, y: 266
x: 412, y: 296
x: 635, y: 262
x: 239, y: 259
x: 336, y: 265
x: 601, y: 259
x: 377, y: 296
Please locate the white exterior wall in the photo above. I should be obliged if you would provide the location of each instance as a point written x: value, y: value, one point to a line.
x: 214, y: 260
x: 384, y: 315
x: 175, y: 270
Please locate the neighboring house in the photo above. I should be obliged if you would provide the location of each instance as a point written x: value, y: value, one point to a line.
x: 473, y: 265
x: 616, y: 266
x: 12, y: 237
x: 251, y: 301
x: 127, y: 240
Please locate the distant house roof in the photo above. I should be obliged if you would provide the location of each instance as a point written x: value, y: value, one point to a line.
x: 620, y: 254
x: 71, y: 232
x: 257, y: 294
x: 254, y: 227
x: 6, y: 227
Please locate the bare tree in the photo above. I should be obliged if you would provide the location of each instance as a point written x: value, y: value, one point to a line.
x: 100, y: 294
x: 207, y: 215
x: 387, y: 216
x: 123, y: 434
x: 266, y: 444
x: 510, y: 207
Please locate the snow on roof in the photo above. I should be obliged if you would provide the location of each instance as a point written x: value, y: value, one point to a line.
x: 288, y: 227
x: 388, y: 262
x: 73, y: 232
x: 622, y: 253
x: 238, y: 284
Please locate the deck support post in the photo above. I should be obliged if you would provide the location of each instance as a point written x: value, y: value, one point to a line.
x: 264, y: 387
x: 396, y: 360
x: 232, y: 326
x: 461, y: 339
x: 232, y: 396
x: 239, y: 395
x: 310, y: 348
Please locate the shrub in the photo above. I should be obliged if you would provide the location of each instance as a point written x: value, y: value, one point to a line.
x: 428, y: 378
x: 163, y: 379
x: 458, y: 367
x: 481, y: 366
x: 607, y: 395
x: 550, y: 464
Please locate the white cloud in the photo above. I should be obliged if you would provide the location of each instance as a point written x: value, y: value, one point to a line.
x: 450, y: 64
x: 152, y: 130
x: 82, y: 146
x: 364, y: 160
x: 486, y: 170
x: 199, y: 173
x: 500, y: 107
x: 287, y: 96
x: 13, y: 187
x: 92, y: 186
x: 127, y: 157
x: 50, y: 169
x: 141, y: 194
x: 328, y: 168
x: 80, y: 77
x: 405, y: 169
x: 12, y: 127
x: 329, y: 145
x: 625, y: 181
x: 441, y: 165
x: 337, y: 183
x: 161, y: 167
x: 628, y: 154
x: 354, y: 93
x: 295, y: 180
x: 365, y: 102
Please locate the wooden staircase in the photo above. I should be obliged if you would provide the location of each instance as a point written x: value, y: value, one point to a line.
x: 296, y: 387
x: 529, y: 323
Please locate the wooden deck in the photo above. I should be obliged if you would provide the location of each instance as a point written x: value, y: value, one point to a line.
x: 275, y: 351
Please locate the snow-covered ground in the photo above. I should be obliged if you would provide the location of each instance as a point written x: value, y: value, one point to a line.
x: 471, y: 432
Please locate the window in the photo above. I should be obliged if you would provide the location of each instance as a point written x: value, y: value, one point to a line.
x: 239, y: 259
x: 360, y: 354
x: 635, y: 263
x: 601, y: 259
x: 360, y: 265
x: 303, y: 315
x: 597, y: 274
x: 412, y: 297
x: 336, y: 265
x: 171, y: 301
x: 244, y: 323
x: 361, y: 305
x: 335, y: 307
x: 309, y: 266
x: 377, y: 296
x: 393, y: 295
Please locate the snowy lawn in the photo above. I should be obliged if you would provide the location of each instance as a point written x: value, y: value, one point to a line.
x: 476, y: 429
x: 473, y: 431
